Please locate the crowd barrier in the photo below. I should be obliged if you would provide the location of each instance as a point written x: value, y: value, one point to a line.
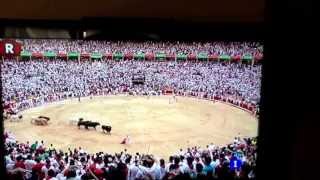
x: 35, y: 102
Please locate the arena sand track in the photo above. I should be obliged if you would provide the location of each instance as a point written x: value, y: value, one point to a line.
x: 154, y: 125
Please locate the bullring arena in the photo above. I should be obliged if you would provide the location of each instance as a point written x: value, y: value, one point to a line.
x: 153, y: 124
x: 131, y: 110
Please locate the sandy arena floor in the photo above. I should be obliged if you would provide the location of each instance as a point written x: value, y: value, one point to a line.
x: 154, y: 125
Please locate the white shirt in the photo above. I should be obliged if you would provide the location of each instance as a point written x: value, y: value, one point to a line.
x: 133, y: 171
x: 44, y: 169
x: 61, y: 177
x: 144, y: 171
x: 81, y: 151
x: 10, y: 166
x: 158, y: 172
x: 168, y: 166
x: 8, y: 160
x: 53, y: 178
x: 183, y: 167
x: 211, y: 147
x: 29, y: 164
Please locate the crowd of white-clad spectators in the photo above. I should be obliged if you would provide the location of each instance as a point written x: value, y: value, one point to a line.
x: 219, y: 48
x: 38, y: 160
x: 33, y: 82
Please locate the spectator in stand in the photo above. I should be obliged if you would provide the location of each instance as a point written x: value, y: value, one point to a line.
x: 33, y: 83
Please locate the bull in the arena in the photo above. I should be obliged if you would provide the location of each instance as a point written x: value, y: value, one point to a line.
x: 81, y: 122
x: 106, y: 128
x: 92, y: 124
x: 40, y: 120
x: 44, y: 117
x: 87, y: 124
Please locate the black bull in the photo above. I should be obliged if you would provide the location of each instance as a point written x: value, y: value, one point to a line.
x: 88, y: 124
x: 44, y: 117
x: 106, y: 128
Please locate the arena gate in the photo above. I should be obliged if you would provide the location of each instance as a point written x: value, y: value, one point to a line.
x: 138, y: 79
x: 167, y: 91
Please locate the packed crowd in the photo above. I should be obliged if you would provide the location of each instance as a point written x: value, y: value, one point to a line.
x: 38, y: 161
x: 219, y: 48
x: 32, y: 83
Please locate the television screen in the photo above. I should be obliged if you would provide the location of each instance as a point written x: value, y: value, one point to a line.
x: 156, y: 109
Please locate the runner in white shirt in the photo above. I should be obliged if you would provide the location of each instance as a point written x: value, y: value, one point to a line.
x: 133, y: 171
x: 60, y: 176
x: 29, y: 162
x: 146, y: 172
